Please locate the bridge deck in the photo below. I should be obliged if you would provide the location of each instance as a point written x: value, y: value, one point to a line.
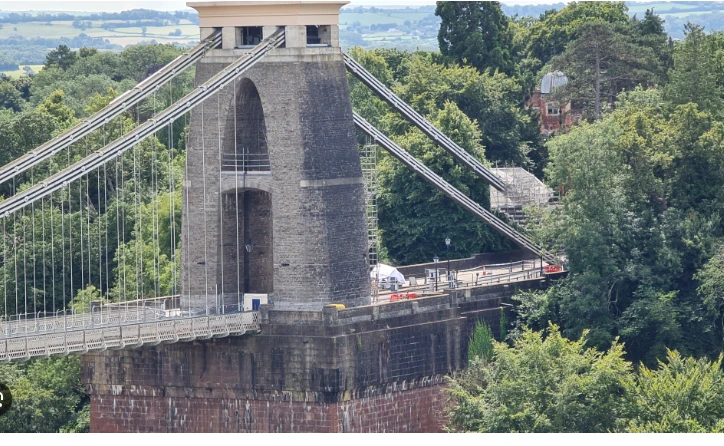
x: 114, y: 328
x: 146, y: 322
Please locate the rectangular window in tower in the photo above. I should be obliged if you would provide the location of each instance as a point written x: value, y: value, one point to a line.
x: 319, y: 35
x: 313, y: 35
x: 248, y: 36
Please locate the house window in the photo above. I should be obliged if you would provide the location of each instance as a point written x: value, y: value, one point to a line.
x: 553, y: 109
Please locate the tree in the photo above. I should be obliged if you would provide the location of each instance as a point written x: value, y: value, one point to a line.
x: 365, y: 102
x: 481, y: 343
x: 493, y: 100
x: 711, y: 286
x: 650, y: 32
x: 694, y: 75
x: 61, y: 57
x: 550, y: 35
x: 48, y: 396
x: 55, y: 107
x: 415, y: 218
x: 475, y: 33
x: 601, y: 62
x: 544, y: 383
x: 87, y: 52
x: 681, y: 395
x: 139, y: 61
x: 639, y: 218
x: 10, y: 97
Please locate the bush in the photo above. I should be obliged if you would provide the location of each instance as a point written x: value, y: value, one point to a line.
x: 481, y: 343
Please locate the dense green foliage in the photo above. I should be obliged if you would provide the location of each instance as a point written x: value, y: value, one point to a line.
x: 697, y: 73
x: 475, y: 33
x: 640, y: 217
x: 547, y: 383
x: 481, y: 343
x: 48, y: 394
x: 480, y: 111
x: 602, y: 62
x: 642, y: 183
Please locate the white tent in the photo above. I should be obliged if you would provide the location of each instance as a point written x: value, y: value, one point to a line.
x: 387, y: 274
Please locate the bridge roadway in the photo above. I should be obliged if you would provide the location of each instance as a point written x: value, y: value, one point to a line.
x: 117, y: 326
x: 149, y: 322
x: 475, y: 277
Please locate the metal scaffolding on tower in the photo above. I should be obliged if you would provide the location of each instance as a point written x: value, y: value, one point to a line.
x: 368, y: 158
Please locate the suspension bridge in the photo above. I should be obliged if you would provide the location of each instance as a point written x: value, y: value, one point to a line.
x: 149, y: 223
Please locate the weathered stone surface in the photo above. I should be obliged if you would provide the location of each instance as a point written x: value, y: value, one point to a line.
x: 318, y: 228
x: 377, y: 368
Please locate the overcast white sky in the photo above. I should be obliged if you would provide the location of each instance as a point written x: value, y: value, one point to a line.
x: 173, y: 5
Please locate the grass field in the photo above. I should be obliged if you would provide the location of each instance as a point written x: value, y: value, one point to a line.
x: 687, y: 14
x: 121, y: 36
x: 18, y: 73
x: 660, y: 8
x: 369, y: 18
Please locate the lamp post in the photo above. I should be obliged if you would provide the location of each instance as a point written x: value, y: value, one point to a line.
x: 249, y: 247
x: 449, y: 279
x: 436, y: 259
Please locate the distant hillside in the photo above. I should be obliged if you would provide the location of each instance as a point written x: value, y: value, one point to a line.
x: 404, y: 28
x: 710, y: 15
x: 529, y: 10
x: 25, y: 37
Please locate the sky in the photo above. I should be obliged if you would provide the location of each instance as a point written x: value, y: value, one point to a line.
x: 173, y: 5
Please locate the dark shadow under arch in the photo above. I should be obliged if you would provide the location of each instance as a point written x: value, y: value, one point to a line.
x: 248, y: 265
x: 250, y: 151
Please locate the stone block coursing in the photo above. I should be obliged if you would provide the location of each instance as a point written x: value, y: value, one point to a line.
x: 319, y: 232
x: 370, y: 369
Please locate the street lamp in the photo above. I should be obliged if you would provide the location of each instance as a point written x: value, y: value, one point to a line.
x: 449, y: 279
x: 436, y: 259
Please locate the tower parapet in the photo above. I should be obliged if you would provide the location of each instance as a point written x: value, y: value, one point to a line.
x: 244, y: 24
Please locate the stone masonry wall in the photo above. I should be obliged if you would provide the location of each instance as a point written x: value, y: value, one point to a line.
x: 374, y: 368
x: 319, y: 226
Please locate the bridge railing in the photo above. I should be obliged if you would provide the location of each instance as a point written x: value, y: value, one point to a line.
x: 84, y: 339
x: 123, y: 313
x: 245, y: 162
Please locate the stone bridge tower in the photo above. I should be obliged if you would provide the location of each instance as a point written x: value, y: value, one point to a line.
x: 273, y: 197
x: 273, y: 164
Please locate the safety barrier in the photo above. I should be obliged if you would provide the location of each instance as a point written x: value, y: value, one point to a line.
x: 86, y: 339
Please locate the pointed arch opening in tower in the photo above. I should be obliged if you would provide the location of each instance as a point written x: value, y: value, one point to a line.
x: 250, y: 152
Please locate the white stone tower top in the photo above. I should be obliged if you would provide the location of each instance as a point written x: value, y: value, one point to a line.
x: 271, y: 13
x: 243, y: 24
